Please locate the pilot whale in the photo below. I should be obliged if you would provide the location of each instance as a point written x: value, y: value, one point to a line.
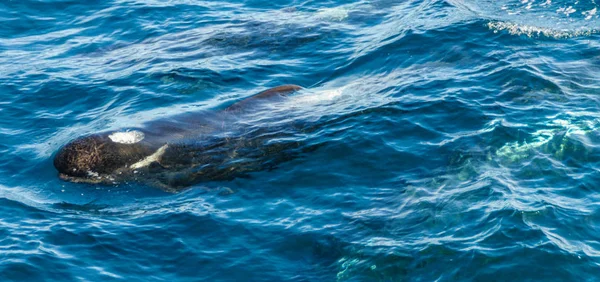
x: 176, y: 152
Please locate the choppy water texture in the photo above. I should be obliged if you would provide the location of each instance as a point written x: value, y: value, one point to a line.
x: 452, y: 140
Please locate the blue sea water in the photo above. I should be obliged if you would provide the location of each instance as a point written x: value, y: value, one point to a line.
x: 454, y: 140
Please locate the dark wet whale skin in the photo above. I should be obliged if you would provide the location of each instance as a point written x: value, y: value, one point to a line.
x: 199, y: 146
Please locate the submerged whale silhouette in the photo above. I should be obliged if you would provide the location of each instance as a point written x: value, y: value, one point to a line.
x: 179, y: 151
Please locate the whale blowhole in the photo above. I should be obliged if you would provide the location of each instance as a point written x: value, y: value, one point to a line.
x: 127, y: 137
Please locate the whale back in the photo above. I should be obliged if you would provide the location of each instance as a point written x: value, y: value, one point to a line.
x: 271, y: 94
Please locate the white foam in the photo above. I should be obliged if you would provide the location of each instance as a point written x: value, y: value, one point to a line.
x: 589, y: 14
x: 127, y: 137
x: 531, y: 31
x: 566, y: 10
x: 316, y: 96
x: 333, y: 14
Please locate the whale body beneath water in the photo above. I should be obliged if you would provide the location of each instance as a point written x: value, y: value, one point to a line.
x: 179, y: 151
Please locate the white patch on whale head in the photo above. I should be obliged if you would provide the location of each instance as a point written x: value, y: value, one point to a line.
x: 127, y: 137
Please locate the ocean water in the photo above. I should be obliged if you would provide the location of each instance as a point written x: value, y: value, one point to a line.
x: 451, y: 140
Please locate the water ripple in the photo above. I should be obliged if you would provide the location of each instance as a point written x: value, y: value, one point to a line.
x: 436, y: 140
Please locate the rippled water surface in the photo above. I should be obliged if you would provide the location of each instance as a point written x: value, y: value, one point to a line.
x: 450, y: 140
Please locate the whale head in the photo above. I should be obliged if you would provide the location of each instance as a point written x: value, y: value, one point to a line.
x: 96, y: 158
